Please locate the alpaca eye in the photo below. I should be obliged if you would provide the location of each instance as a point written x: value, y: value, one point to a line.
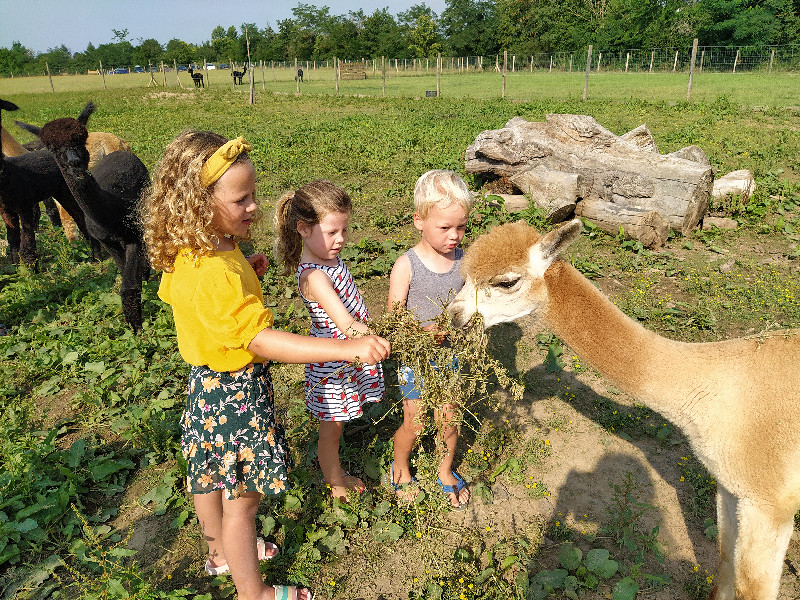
x: 508, y: 284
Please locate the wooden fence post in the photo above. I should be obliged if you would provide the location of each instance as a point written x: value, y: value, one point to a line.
x: 627, y: 60
x: 438, y: 73
x: 505, y: 61
x: 104, y: 74
x: 691, y: 70
x: 652, y: 56
x: 263, y: 83
x: 702, y: 56
x: 736, y: 60
x: 588, y: 68
x: 571, y: 56
x: 771, y: 58
x: 46, y: 66
x: 163, y: 73
x: 383, y: 74
x: 175, y: 66
x: 675, y: 63
x: 599, y: 60
x: 336, y: 73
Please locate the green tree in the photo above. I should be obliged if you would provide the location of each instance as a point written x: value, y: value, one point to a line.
x: 422, y: 37
x: 744, y: 22
x: 469, y: 27
x: 16, y: 59
x: 381, y: 35
x: 148, y: 52
x: 180, y: 52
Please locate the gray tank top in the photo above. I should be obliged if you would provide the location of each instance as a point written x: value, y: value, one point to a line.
x: 428, y: 292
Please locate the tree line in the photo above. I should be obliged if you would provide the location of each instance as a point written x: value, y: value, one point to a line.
x: 464, y: 28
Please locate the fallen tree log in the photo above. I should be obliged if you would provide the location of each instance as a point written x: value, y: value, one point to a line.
x: 571, y: 159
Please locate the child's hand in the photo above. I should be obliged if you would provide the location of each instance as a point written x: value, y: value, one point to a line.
x: 438, y: 336
x: 370, y: 349
x: 259, y: 262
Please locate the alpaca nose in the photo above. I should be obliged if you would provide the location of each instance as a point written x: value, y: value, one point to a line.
x: 73, y: 158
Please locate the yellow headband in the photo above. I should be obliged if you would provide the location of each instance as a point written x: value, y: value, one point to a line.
x: 222, y: 159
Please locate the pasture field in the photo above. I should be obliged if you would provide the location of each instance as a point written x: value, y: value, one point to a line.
x: 91, y: 502
x: 757, y: 89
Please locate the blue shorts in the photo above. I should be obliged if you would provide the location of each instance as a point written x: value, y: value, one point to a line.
x: 411, y: 383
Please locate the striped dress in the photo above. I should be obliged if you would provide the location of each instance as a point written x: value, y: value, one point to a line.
x: 337, y: 391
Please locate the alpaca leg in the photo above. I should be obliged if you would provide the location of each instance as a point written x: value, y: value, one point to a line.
x: 764, y: 533
x: 727, y: 526
x: 131, y: 288
x: 11, y: 220
x: 52, y: 212
x: 28, y: 219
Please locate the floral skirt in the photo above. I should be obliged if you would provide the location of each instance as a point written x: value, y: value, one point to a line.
x: 231, y: 440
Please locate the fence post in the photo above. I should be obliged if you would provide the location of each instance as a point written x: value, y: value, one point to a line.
x: 551, y: 64
x: 383, y: 74
x: 702, y: 56
x: 675, y: 63
x: 691, y: 70
x: 599, y: 59
x: 588, y: 68
x: 263, y: 83
x: 336, y: 73
x: 771, y: 58
x: 505, y: 61
x: 164, y: 73
x: 571, y: 56
x: 46, y: 66
x: 104, y: 74
x: 736, y: 60
x: 652, y: 56
x: 438, y: 73
x: 627, y: 60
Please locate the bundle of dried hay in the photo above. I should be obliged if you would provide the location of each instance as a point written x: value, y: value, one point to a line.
x: 453, y: 362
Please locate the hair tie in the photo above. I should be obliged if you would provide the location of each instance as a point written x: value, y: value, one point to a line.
x: 222, y: 159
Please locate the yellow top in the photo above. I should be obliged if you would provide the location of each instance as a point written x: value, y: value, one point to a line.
x: 218, y: 308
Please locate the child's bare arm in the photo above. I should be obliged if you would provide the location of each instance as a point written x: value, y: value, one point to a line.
x: 317, y: 286
x: 399, y: 282
x: 285, y: 347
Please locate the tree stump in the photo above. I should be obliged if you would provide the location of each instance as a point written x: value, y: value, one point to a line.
x: 621, y: 181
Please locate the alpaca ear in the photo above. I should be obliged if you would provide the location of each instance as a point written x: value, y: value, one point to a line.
x: 86, y: 113
x: 547, y: 249
x: 27, y: 127
x: 6, y: 105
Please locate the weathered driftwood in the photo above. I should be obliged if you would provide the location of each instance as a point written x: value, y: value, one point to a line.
x: 619, y: 180
x: 736, y: 183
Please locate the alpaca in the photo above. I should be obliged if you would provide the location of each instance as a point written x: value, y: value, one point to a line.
x: 299, y: 75
x: 197, y: 78
x: 26, y: 180
x: 237, y: 75
x: 55, y: 212
x: 109, y: 197
x: 99, y: 144
x: 737, y: 401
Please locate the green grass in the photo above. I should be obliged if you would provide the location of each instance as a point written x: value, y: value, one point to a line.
x: 89, y: 411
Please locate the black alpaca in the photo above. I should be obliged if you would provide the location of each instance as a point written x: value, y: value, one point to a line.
x: 300, y: 74
x: 109, y: 196
x: 197, y: 78
x: 237, y: 75
x: 26, y: 180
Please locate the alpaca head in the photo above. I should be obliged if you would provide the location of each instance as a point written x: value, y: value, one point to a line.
x: 504, y: 272
x: 66, y: 138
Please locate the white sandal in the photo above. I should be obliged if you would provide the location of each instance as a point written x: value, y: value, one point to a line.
x: 262, y: 555
x: 289, y: 592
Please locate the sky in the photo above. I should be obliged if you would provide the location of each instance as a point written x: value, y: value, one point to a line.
x: 44, y: 24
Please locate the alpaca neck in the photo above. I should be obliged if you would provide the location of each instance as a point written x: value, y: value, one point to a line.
x: 84, y: 189
x: 626, y: 353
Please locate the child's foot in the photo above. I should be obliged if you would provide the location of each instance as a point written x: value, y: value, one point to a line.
x: 455, y: 489
x: 348, y: 483
x: 290, y: 592
x: 405, y: 490
x: 266, y: 551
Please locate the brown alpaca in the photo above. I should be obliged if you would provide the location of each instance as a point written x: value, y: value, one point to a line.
x: 737, y: 401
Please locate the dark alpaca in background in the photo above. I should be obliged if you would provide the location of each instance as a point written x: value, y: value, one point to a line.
x: 237, y: 75
x: 197, y: 78
x: 25, y: 181
x: 300, y: 74
x: 109, y: 197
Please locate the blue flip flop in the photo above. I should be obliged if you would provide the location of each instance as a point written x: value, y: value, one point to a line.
x: 454, y: 489
x: 399, y: 488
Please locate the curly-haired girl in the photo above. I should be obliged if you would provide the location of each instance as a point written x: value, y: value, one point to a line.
x: 201, y: 202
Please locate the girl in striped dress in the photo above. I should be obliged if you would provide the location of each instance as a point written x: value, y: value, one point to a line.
x: 311, y: 226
